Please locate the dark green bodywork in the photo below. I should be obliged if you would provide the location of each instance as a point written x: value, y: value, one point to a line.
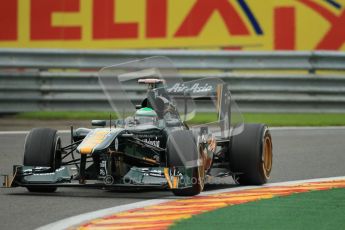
x: 141, y: 152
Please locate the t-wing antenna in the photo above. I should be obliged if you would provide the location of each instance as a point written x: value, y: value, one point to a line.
x: 152, y: 83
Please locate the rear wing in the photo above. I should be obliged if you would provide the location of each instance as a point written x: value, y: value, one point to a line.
x: 207, y: 101
x: 213, y: 90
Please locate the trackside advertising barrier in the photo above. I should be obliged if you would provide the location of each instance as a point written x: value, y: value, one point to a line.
x: 215, y: 24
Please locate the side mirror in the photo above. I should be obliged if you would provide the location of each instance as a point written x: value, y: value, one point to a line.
x: 101, y: 123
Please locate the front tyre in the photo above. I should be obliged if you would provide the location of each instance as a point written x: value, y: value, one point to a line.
x: 197, y: 187
x: 251, y: 155
x: 182, y: 148
x: 42, y: 148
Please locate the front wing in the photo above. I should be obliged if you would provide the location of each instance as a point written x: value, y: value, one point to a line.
x: 153, y: 177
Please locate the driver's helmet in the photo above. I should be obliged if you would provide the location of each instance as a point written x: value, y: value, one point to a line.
x: 146, y: 116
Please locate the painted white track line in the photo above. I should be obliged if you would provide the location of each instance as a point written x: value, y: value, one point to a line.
x: 76, y: 220
x: 287, y: 183
x: 271, y: 128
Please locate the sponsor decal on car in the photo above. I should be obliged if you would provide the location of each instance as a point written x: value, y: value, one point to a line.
x: 195, y: 88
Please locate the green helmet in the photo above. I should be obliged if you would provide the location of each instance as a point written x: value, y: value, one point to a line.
x: 146, y: 116
x: 145, y: 112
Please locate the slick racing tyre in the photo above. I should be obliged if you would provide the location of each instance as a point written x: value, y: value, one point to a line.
x: 42, y: 148
x: 182, y: 148
x: 250, y: 155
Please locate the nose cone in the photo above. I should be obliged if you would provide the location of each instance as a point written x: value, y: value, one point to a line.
x: 93, y: 139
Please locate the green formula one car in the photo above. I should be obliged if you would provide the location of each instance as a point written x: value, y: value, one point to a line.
x: 150, y: 145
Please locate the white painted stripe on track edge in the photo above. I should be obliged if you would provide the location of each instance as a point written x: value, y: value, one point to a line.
x: 79, y: 219
x: 75, y: 220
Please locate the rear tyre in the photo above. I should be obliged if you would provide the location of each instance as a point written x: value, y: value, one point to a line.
x: 251, y: 155
x: 182, y: 148
x: 42, y: 148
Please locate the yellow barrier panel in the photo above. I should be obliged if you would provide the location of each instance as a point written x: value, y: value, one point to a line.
x: 227, y: 24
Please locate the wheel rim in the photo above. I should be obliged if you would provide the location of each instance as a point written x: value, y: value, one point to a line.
x: 267, y: 155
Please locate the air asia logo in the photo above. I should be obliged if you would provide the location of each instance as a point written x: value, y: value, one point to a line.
x: 195, y: 88
x: 150, y: 139
x: 152, y: 142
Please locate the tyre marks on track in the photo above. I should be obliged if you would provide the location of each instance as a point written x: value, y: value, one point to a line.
x: 163, y: 215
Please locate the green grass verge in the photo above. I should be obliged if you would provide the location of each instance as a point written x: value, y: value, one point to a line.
x: 275, y: 119
x: 307, y: 119
x: 313, y: 210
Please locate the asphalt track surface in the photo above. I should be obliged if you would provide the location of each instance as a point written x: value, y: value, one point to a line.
x: 298, y: 154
